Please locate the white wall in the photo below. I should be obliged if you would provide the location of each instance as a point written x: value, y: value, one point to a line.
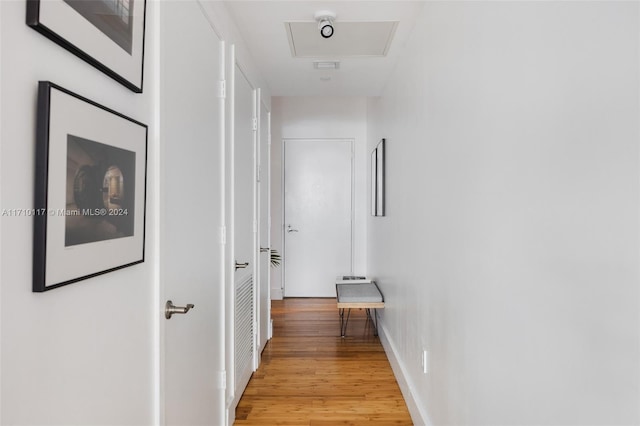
x: 510, y: 246
x: 87, y: 353
x: 84, y: 353
x: 318, y: 118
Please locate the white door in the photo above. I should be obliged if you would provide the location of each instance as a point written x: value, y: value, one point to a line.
x: 264, y: 304
x: 318, y: 215
x: 191, y: 196
x: 244, y: 248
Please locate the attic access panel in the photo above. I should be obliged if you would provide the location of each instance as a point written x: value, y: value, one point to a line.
x: 349, y: 39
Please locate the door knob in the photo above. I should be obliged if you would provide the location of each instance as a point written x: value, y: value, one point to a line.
x: 170, y: 309
x: 241, y: 265
x: 289, y: 229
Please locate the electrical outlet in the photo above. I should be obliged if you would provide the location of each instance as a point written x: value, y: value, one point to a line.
x: 425, y: 361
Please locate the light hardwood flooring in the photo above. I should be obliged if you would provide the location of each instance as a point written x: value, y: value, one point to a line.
x: 309, y: 375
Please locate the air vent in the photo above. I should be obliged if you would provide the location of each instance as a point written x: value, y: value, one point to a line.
x: 326, y: 65
x: 350, y: 39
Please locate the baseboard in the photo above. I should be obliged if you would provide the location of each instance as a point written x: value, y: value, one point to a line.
x: 230, y: 411
x: 277, y: 294
x: 416, y: 410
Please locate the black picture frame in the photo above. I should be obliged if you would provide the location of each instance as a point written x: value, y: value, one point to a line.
x: 108, y: 34
x: 378, y: 207
x: 374, y: 187
x: 90, y: 189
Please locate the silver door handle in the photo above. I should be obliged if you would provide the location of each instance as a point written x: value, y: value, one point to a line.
x: 170, y: 309
x: 289, y: 229
x: 241, y: 265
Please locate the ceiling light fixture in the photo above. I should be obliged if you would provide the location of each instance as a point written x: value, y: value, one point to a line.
x: 325, y: 20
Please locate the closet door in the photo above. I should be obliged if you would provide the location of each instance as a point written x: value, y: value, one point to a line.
x: 191, y: 196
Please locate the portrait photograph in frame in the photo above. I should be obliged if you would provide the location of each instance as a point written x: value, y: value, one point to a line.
x: 90, y: 189
x: 108, y: 34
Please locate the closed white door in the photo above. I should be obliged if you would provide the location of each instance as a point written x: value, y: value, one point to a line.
x: 318, y: 231
x: 244, y: 231
x: 191, y: 195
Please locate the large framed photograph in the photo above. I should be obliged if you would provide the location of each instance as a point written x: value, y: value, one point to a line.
x: 90, y: 194
x: 377, y: 179
x: 108, y: 34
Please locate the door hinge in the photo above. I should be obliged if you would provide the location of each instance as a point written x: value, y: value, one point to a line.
x: 222, y: 379
x: 222, y: 89
x: 223, y: 235
x: 254, y: 124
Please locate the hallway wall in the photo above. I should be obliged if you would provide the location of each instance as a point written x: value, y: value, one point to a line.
x: 318, y: 118
x: 510, y: 246
x: 83, y: 353
x: 87, y: 353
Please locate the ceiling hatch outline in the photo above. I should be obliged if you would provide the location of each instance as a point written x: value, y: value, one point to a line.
x: 351, y: 39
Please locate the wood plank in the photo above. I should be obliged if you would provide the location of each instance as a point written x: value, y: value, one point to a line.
x: 361, y: 305
x: 311, y: 376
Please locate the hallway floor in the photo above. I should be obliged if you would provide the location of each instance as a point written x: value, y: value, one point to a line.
x: 309, y: 375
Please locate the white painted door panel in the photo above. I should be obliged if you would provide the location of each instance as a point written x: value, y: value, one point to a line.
x: 191, y: 194
x: 243, y: 174
x: 243, y: 230
x: 318, y: 215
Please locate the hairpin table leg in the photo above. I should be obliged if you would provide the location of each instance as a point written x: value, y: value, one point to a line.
x: 344, y: 322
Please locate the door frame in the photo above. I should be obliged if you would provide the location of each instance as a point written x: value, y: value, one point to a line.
x: 283, y: 232
x: 231, y: 397
x: 263, y: 173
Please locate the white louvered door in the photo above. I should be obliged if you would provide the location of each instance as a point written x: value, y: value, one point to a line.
x: 243, y: 233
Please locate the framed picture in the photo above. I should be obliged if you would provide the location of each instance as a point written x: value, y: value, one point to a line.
x: 377, y: 180
x: 380, y: 171
x: 374, y: 188
x: 108, y: 34
x: 91, y: 167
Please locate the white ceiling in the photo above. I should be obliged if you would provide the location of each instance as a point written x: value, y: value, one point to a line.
x: 262, y: 25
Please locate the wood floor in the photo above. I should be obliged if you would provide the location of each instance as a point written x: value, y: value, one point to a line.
x: 309, y: 375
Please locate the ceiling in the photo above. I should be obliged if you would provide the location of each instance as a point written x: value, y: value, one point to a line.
x: 264, y: 27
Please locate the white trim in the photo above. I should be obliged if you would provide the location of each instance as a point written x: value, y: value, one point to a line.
x: 256, y: 230
x: 268, y: 186
x: 417, y: 411
x: 230, y: 279
x: 155, y: 189
x: 280, y: 294
x: 222, y: 102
